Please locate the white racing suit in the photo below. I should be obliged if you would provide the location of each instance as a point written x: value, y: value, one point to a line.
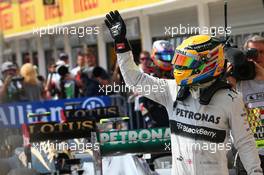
x: 199, y: 133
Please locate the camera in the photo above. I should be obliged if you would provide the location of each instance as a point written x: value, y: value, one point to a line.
x: 242, y: 67
x: 251, y: 53
x: 17, y: 78
x: 62, y: 70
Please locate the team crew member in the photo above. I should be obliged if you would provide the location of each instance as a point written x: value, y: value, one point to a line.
x: 202, y: 109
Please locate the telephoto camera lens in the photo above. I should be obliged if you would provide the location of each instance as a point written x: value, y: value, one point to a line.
x: 252, y: 53
x: 62, y: 70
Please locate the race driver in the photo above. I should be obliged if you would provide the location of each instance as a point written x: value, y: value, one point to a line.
x: 161, y: 55
x: 202, y: 109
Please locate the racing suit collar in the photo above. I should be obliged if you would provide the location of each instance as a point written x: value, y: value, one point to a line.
x: 196, y: 90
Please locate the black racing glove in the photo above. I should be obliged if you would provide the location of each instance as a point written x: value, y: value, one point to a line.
x: 117, y: 28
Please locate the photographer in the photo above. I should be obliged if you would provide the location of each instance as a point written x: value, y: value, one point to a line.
x: 60, y: 82
x: 67, y: 84
x: 10, y: 85
x: 11, y: 90
x: 248, y: 78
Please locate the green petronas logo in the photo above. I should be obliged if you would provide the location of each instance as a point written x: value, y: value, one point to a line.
x: 134, y: 136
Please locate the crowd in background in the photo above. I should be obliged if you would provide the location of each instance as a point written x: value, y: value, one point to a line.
x: 25, y: 84
x: 86, y: 78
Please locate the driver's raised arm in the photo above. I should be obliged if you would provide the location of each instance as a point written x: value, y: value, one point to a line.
x: 154, y: 88
x: 151, y: 87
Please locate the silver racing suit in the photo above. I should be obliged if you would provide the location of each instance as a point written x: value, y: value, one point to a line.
x: 199, y: 133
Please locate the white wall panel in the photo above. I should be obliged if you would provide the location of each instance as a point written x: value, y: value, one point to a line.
x: 185, y: 17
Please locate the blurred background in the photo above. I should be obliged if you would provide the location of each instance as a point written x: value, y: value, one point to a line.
x: 61, y: 50
x: 146, y: 21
